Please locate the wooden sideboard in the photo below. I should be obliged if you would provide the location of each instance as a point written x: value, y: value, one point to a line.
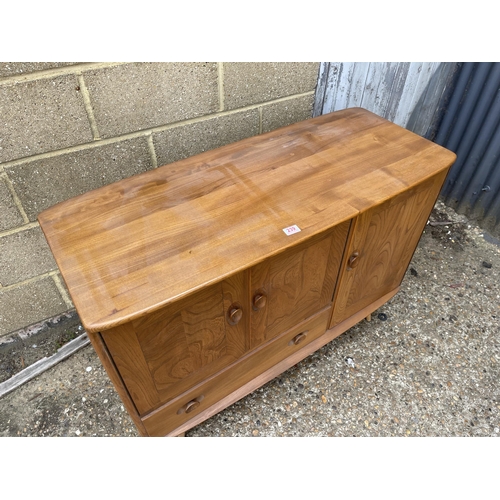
x: 200, y: 281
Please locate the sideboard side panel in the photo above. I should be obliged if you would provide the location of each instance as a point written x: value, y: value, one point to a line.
x: 110, y: 367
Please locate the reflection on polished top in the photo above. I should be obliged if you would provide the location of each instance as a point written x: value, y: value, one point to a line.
x: 129, y: 248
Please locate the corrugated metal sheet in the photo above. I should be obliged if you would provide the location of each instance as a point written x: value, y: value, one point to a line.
x: 409, y: 94
x: 471, y: 128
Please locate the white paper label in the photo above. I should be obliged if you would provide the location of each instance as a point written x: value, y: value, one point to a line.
x: 291, y: 230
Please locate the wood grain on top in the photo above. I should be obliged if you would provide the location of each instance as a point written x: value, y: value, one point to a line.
x: 131, y: 247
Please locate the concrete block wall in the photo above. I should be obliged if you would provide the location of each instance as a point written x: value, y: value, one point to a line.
x: 67, y: 128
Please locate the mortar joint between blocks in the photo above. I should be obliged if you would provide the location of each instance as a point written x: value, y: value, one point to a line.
x: 19, y: 229
x: 16, y: 198
x: 152, y: 152
x: 33, y: 279
x: 88, y: 107
x: 45, y: 74
x: 60, y: 287
x: 220, y: 73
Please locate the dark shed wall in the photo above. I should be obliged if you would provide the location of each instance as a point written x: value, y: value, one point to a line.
x: 471, y: 128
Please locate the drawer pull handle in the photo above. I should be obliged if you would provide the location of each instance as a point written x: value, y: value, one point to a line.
x: 353, y: 260
x: 259, y: 301
x: 298, y: 338
x: 192, y: 405
x: 234, y: 314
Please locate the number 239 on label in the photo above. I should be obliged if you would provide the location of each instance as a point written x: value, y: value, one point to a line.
x: 291, y: 230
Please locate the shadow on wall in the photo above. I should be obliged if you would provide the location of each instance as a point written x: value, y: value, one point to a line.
x: 429, y: 110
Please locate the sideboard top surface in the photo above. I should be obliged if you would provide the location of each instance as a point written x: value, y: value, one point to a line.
x: 129, y: 248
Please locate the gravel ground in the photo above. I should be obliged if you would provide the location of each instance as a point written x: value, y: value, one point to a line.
x: 428, y: 364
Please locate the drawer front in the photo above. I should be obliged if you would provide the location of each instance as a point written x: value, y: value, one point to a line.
x: 169, y: 417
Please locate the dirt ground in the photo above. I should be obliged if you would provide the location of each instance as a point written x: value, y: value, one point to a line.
x: 428, y: 364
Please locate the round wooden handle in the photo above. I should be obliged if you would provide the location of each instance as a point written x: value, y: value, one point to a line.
x: 299, y: 338
x: 234, y: 315
x: 259, y: 300
x: 353, y: 260
x: 192, y: 405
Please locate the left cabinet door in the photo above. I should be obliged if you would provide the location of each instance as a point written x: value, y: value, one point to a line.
x: 167, y: 352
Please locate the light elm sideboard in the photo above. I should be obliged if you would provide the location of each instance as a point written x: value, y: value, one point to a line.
x: 199, y: 281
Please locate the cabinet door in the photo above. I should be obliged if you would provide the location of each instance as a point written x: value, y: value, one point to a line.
x: 167, y: 352
x: 290, y: 287
x: 381, y: 246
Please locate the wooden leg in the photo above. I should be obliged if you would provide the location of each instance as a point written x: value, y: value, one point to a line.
x: 369, y: 317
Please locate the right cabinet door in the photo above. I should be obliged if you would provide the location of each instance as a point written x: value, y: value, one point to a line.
x: 382, y: 244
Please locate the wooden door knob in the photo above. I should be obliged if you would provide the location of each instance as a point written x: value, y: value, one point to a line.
x: 234, y: 314
x: 298, y: 338
x: 192, y: 405
x: 353, y: 260
x: 259, y: 300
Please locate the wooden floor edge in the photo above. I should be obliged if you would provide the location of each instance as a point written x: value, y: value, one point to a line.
x: 43, y: 365
x: 284, y: 365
